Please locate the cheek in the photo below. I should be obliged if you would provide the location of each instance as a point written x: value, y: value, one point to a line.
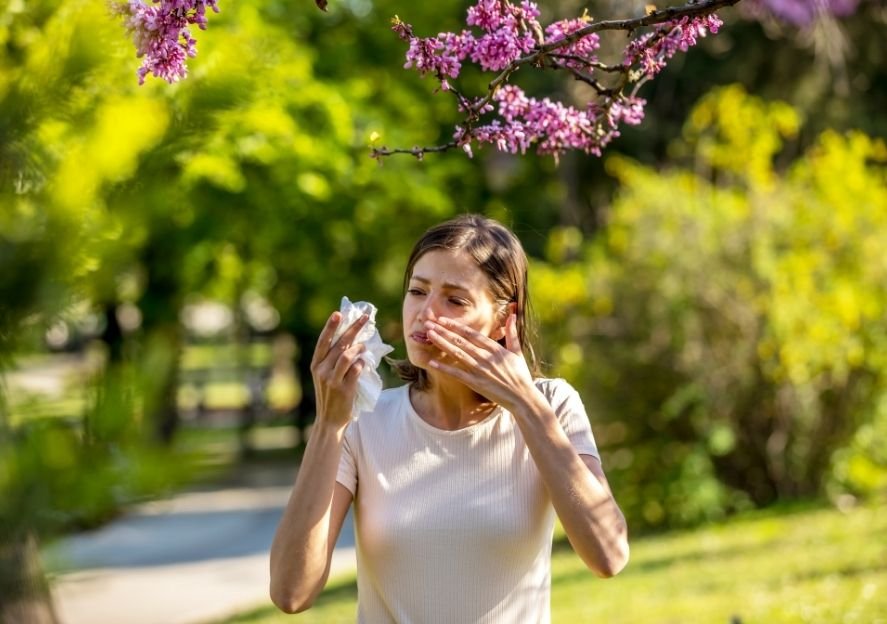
x: 478, y: 321
x: 408, y: 307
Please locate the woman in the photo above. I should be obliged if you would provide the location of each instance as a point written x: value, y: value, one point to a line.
x: 457, y: 475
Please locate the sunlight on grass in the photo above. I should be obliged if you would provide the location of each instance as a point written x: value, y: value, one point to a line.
x: 818, y: 565
x: 815, y: 566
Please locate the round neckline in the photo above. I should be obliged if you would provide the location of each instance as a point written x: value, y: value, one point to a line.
x: 414, y: 415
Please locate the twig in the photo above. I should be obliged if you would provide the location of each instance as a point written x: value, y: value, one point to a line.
x: 593, y: 64
x: 418, y: 152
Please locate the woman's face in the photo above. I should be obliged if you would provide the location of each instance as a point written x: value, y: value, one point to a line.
x: 447, y: 284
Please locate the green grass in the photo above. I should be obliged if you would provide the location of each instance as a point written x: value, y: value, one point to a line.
x: 813, y: 565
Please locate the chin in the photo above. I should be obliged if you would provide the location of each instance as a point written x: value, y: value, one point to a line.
x: 419, y: 360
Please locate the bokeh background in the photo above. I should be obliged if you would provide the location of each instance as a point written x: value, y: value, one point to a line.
x: 715, y: 285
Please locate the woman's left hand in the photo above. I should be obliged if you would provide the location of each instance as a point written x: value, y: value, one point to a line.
x: 498, y: 373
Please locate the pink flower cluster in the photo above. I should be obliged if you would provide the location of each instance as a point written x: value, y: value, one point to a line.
x: 802, y: 12
x: 550, y: 125
x: 652, y: 50
x: 506, y: 35
x: 161, y: 35
x: 519, y: 122
x: 441, y: 55
x: 584, y: 47
x: 626, y: 109
x: 507, y: 32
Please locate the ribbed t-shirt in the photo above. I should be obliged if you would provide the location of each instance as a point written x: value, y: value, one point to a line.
x: 452, y: 526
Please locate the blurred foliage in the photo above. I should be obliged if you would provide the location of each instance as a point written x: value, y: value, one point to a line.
x: 728, y: 325
x: 251, y: 179
x: 834, y: 74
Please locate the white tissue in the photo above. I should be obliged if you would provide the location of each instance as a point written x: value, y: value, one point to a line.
x: 369, y: 384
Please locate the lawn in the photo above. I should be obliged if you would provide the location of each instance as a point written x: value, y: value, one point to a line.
x: 810, y: 565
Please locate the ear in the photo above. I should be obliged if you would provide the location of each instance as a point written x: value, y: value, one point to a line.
x: 507, y: 310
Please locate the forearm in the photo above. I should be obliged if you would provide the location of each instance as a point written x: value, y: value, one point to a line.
x: 590, y: 516
x: 300, y: 550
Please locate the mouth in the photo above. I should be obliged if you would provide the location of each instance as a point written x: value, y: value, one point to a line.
x: 420, y: 337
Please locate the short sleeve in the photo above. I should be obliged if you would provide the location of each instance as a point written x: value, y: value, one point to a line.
x: 347, y: 473
x: 570, y: 411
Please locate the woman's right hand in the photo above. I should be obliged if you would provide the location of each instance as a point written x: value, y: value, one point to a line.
x: 335, y: 368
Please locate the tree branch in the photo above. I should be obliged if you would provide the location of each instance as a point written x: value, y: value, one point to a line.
x: 559, y: 56
x: 418, y: 152
x: 692, y: 9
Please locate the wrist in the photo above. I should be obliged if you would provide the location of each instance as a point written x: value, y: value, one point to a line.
x: 323, y: 427
x: 530, y: 404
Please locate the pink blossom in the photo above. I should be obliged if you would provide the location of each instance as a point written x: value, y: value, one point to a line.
x: 626, y: 109
x: 493, y: 15
x: 551, y: 126
x: 514, y: 122
x: 583, y: 47
x: 161, y: 35
x: 441, y: 55
x: 496, y: 50
x: 652, y: 50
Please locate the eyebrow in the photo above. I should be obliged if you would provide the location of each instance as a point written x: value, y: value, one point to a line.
x: 447, y: 285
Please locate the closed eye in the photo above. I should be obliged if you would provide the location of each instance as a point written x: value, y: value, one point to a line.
x: 458, y: 302
x: 416, y: 292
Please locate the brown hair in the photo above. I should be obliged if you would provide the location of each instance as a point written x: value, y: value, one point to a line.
x: 499, y: 254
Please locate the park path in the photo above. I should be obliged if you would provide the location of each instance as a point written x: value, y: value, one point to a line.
x: 199, y: 556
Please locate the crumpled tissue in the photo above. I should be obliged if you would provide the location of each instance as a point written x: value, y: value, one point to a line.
x: 369, y: 384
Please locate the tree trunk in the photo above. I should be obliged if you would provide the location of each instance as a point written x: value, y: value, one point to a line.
x: 161, y: 304
x: 24, y: 592
x: 112, y: 335
x: 166, y: 413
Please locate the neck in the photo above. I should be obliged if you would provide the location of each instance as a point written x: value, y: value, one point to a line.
x: 449, y: 404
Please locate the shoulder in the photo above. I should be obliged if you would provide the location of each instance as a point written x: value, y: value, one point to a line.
x: 392, y: 397
x: 556, y: 390
x: 388, y: 399
x: 392, y: 404
x: 563, y: 398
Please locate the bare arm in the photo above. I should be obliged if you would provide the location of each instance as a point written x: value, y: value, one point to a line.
x: 579, y: 491
x: 576, y: 484
x: 305, y: 538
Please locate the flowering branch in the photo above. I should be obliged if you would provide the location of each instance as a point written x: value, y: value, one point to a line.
x: 511, y: 38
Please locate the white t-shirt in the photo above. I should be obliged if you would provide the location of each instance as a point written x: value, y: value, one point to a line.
x: 452, y: 526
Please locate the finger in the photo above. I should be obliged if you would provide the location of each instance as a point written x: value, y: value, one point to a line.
x: 470, y: 334
x: 353, y: 373
x: 347, y: 338
x: 347, y: 359
x: 453, y: 345
x: 453, y: 371
x: 512, y: 339
x: 325, y: 341
x: 459, y: 340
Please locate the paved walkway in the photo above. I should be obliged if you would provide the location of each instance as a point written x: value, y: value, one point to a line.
x: 197, y: 557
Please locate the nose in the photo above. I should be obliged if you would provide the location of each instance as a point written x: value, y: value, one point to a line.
x: 429, y: 310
